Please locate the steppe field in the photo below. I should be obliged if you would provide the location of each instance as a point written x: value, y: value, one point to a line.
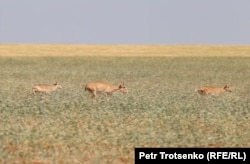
x: 161, y: 109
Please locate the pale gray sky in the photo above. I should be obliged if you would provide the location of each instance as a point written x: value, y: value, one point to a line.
x: 125, y: 21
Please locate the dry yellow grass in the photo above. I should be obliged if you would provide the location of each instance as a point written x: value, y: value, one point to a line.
x: 122, y: 50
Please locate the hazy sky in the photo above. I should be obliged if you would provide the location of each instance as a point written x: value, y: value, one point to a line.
x: 125, y: 21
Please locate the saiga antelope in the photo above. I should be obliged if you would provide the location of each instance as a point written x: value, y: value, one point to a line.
x: 45, y: 88
x: 204, y: 90
x: 105, y: 88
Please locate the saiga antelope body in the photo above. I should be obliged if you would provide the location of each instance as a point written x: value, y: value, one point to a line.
x: 105, y: 88
x: 214, y: 90
x: 45, y: 88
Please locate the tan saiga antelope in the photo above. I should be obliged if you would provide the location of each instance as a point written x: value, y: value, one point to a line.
x: 45, y: 88
x: 105, y: 88
x: 204, y: 90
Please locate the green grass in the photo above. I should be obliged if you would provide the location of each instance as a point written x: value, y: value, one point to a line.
x: 162, y: 108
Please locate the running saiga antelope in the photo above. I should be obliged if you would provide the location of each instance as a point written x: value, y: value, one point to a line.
x: 105, y: 88
x: 45, y: 88
x: 204, y: 90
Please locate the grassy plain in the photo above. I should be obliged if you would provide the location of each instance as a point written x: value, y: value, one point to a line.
x: 162, y: 108
x: 123, y: 50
